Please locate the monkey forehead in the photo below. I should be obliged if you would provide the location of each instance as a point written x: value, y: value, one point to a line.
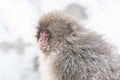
x: 56, y: 16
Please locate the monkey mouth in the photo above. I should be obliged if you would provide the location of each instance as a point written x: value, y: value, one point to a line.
x: 43, y: 40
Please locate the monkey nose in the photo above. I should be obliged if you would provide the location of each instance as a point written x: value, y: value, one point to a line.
x: 44, y: 34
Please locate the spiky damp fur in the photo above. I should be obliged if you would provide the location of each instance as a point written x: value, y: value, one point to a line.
x: 75, y: 53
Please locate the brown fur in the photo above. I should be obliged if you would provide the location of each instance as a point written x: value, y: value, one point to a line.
x: 75, y: 53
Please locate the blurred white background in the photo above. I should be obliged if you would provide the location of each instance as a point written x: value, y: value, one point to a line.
x: 18, y: 20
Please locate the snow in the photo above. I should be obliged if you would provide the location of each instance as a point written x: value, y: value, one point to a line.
x: 18, y: 19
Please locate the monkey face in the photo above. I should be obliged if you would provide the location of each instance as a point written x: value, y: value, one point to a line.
x: 50, y: 36
x: 53, y: 28
x: 43, y: 39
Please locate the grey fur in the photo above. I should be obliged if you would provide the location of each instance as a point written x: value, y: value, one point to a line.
x: 76, y: 53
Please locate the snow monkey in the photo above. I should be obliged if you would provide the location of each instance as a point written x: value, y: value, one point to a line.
x: 69, y: 51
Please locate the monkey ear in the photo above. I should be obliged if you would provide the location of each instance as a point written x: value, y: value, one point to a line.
x: 69, y: 28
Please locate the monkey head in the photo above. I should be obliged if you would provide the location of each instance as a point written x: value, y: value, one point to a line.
x: 53, y: 28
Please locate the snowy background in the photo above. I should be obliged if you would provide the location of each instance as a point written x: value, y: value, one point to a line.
x: 18, y: 19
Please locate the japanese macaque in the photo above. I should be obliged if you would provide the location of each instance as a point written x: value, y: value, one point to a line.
x: 69, y: 51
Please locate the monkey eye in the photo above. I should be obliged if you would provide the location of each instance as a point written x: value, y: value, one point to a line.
x: 45, y: 31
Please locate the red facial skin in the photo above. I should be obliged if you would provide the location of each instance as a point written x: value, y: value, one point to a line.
x: 43, y: 40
